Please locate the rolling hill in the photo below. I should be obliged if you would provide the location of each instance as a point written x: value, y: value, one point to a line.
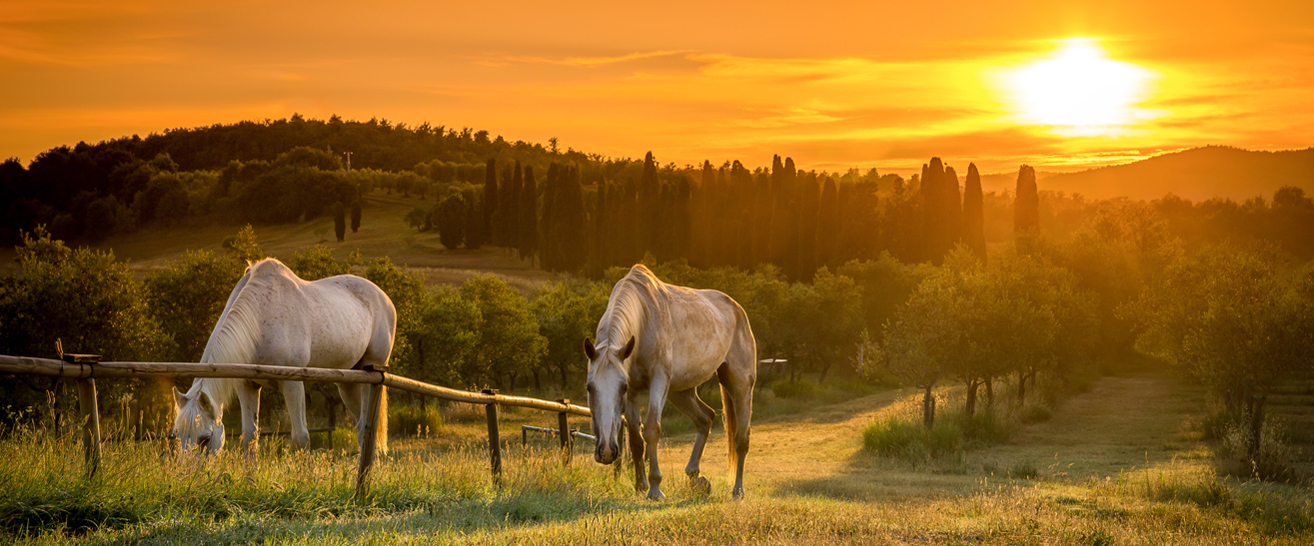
x: 1196, y: 174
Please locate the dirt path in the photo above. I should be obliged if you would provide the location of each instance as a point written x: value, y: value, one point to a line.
x: 1119, y: 424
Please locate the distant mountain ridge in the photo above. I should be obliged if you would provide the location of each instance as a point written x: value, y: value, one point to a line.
x: 1196, y: 174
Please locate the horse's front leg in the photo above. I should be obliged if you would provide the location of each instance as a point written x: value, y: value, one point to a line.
x: 248, y: 396
x: 294, y: 394
x: 652, y: 435
x: 634, y: 428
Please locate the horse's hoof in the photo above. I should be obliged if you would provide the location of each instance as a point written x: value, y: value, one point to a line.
x: 701, y: 487
x: 738, y: 493
x: 656, y: 495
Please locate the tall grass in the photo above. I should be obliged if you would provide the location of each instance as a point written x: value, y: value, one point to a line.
x: 43, y: 488
x: 902, y: 435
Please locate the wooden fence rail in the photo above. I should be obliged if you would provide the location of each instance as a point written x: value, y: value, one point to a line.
x: 87, y: 368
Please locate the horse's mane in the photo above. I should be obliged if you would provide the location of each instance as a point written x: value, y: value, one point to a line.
x: 236, y: 335
x: 635, y: 300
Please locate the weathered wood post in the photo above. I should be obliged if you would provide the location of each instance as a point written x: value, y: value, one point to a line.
x: 494, y: 443
x: 564, y: 433
x: 88, y: 409
x: 1256, y: 423
x: 369, y: 433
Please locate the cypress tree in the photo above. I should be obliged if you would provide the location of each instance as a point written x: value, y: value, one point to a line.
x: 551, y: 255
x: 355, y: 215
x: 1026, y: 203
x: 935, y: 222
x: 529, y: 216
x: 631, y: 249
x: 489, y: 204
x: 708, y: 226
x: 340, y: 221
x: 807, y: 215
x: 828, y: 225
x: 570, y: 220
x: 650, y: 196
x: 475, y: 236
x: 601, y: 236
x: 511, y: 221
x: 973, y: 213
x: 450, y: 221
x: 762, y: 221
x: 502, y: 216
x: 953, y: 203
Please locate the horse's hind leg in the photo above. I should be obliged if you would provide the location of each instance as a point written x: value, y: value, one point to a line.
x: 737, y: 397
x: 702, y: 415
x: 294, y: 393
x: 350, y: 393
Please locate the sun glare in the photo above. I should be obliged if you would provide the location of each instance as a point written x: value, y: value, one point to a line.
x: 1079, y: 89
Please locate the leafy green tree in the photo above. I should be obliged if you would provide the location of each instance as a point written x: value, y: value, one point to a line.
x: 187, y: 297
x: 446, y: 340
x: 406, y: 290
x: 566, y: 313
x: 83, y: 298
x: 317, y: 262
x: 509, y: 343
x: 1233, y: 319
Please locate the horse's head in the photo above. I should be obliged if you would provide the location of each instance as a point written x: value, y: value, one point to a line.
x: 608, y: 385
x: 198, y: 424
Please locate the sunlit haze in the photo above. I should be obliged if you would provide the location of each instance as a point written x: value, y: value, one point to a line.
x: 1080, y: 89
x: 1060, y: 85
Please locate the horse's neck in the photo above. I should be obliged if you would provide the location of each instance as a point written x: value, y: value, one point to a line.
x: 627, y: 317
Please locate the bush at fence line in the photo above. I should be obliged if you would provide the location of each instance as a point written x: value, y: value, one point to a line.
x: 408, y: 421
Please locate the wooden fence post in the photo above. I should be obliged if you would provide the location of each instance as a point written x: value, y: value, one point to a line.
x: 567, y: 450
x: 494, y: 443
x: 88, y: 410
x: 369, y: 434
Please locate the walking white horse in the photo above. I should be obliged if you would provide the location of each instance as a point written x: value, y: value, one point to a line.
x: 275, y: 318
x: 669, y: 339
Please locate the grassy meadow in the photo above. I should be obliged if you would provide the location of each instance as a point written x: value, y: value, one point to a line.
x: 1122, y: 463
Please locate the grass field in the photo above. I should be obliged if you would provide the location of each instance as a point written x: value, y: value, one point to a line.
x: 1119, y: 464
x: 383, y: 232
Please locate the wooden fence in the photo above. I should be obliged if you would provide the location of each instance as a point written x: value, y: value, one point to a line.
x: 86, y: 368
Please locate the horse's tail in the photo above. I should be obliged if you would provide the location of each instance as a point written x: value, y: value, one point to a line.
x: 381, y: 433
x: 731, y: 418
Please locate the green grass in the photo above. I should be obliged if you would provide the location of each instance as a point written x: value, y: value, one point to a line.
x: 810, y: 481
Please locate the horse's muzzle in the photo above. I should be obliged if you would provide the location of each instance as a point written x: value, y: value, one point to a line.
x: 606, y: 453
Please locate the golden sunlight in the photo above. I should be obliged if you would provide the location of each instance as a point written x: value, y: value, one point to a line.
x: 1080, y: 90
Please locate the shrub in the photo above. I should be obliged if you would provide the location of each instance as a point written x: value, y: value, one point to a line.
x: 411, y: 420
x: 895, y: 437
x: 784, y: 388
x: 1273, y: 460
x: 1035, y: 413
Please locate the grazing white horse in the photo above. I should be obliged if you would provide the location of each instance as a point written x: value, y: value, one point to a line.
x: 668, y: 340
x: 275, y: 318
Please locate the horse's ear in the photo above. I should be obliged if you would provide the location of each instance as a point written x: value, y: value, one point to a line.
x: 207, y: 405
x: 629, y: 348
x: 179, y: 398
x: 589, y: 350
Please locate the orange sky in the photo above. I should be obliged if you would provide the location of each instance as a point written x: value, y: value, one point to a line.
x: 831, y: 84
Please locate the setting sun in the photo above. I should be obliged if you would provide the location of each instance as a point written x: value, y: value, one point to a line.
x: 1079, y: 89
